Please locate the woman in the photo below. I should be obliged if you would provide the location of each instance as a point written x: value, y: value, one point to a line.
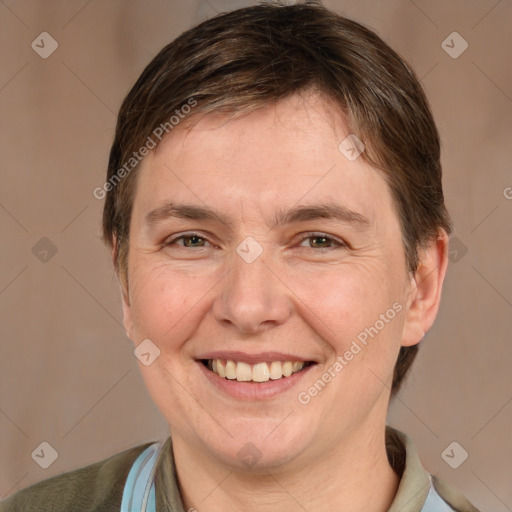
x: 275, y: 211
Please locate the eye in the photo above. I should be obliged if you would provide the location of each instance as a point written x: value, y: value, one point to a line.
x: 195, y: 240
x: 190, y: 240
x: 321, y: 241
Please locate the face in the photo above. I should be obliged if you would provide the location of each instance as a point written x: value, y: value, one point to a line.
x: 257, y: 248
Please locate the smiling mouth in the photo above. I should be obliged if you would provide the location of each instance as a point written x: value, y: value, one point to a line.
x: 259, y: 372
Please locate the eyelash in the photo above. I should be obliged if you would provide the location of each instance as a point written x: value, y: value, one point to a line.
x: 305, y: 237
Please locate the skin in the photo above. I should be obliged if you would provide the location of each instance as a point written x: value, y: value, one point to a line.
x: 302, y: 296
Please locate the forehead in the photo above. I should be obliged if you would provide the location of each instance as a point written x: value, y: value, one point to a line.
x: 279, y: 155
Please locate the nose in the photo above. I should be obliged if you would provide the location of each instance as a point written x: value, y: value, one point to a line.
x: 252, y: 298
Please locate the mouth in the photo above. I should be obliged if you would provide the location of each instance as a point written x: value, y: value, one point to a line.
x: 257, y: 373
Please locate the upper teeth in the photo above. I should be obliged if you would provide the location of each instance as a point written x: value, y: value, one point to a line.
x: 260, y: 372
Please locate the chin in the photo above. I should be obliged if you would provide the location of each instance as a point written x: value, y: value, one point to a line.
x: 258, y: 444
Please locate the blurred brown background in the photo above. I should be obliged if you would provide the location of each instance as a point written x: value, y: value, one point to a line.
x: 68, y: 376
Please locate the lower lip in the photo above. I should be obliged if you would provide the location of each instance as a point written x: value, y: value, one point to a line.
x: 254, y: 390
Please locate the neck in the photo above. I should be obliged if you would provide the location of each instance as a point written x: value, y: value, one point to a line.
x: 355, y: 476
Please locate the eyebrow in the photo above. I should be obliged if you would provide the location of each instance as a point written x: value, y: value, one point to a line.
x: 330, y: 211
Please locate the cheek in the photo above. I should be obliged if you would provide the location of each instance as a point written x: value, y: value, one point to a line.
x: 344, y: 307
x: 341, y: 303
x: 165, y: 302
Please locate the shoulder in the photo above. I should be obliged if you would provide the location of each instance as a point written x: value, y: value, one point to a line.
x: 452, y: 496
x: 416, y: 484
x: 93, y: 488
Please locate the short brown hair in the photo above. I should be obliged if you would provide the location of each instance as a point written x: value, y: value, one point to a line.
x: 248, y: 58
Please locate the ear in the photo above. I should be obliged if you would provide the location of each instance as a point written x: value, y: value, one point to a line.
x: 425, y: 290
x: 122, y: 279
x: 127, y: 313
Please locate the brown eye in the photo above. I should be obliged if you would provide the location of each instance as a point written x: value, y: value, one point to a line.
x: 322, y: 241
x: 191, y: 240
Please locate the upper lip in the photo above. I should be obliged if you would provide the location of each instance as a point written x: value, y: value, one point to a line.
x: 253, y: 358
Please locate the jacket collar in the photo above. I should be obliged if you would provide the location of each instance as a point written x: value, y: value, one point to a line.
x: 402, y: 454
